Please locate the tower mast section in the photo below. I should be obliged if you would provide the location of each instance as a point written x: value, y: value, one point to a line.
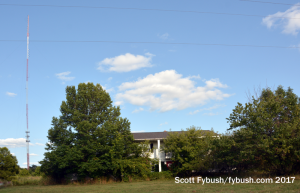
x: 27, y: 131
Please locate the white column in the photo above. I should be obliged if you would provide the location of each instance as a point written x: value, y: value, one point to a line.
x: 159, y: 160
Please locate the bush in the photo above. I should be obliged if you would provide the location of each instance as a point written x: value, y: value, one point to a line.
x: 24, y: 172
x: 26, y: 180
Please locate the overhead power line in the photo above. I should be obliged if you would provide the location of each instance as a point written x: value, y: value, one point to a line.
x: 167, y: 43
x: 268, y: 2
x: 144, y: 9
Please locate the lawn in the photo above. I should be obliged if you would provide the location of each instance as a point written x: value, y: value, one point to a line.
x: 155, y: 186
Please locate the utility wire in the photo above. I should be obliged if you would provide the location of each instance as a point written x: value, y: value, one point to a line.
x: 142, y: 9
x: 270, y: 2
x: 166, y: 43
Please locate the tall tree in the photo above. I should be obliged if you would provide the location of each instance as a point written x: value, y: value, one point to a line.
x: 266, y: 131
x: 189, y: 149
x: 90, y: 138
x: 8, y: 164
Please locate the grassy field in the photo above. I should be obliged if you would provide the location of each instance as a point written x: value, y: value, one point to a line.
x: 155, y: 186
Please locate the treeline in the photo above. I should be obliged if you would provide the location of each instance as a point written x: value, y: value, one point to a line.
x: 90, y: 140
x: 264, y: 135
x: 9, y: 167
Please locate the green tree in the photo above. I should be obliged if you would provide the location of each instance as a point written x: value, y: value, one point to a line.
x: 190, y: 149
x: 266, y: 132
x: 91, y: 139
x: 8, y: 164
x: 32, y: 169
x: 24, y: 172
x: 37, y: 171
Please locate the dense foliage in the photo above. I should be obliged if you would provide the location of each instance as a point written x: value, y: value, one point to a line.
x: 91, y: 139
x: 8, y: 164
x: 266, y: 134
x: 189, y: 149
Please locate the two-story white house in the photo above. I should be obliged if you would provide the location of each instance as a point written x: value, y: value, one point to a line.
x: 156, y: 140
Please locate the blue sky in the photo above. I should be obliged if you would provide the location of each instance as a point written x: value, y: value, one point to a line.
x: 159, y: 86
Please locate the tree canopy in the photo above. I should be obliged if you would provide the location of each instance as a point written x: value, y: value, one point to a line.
x: 189, y: 149
x: 8, y: 164
x: 266, y: 133
x: 90, y: 138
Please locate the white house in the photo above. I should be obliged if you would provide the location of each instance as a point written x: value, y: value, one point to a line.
x: 156, y: 140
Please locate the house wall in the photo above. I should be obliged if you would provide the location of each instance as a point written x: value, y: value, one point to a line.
x: 163, y: 156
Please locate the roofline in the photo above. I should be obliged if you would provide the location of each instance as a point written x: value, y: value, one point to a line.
x: 149, y: 139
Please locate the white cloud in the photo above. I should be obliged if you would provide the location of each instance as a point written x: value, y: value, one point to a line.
x: 211, y: 114
x: 11, y: 94
x: 195, y: 77
x: 12, y: 143
x: 165, y: 123
x: 109, y: 79
x: 164, y: 36
x: 138, y: 110
x: 126, y: 63
x: 167, y: 90
x: 40, y: 144
x: 194, y: 112
x: 63, y: 76
x: 138, y: 131
x: 31, y: 163
x: 207, y: 109
x: 33, y: 154
x: 13, y: 154
x: 287, y: 21
x: 117, y: 103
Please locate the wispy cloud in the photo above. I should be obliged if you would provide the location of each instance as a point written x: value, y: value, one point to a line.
x: 125, y: 63
x: 40, y: 144
x: 207, y: 109
x: 195, y: 77
x: 286, y: 20
x: 12, y: 143
x: 107, y: 89
x: 163, y: 36
x: 138, y: 131
x: 64, y: 76
x: 211, y: 114
x: 165, y: 123
x: 11, y: 94
x: 138, y: 110
x: 168, y: 90
x: 31, y: 163
x: 33, y: 154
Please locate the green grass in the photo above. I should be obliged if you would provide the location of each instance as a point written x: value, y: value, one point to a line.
x: 155, y: 186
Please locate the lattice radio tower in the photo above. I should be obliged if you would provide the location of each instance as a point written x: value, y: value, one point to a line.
x: 27, y: 132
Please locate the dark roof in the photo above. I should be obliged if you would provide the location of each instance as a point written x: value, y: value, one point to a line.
x: 153, y: 135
